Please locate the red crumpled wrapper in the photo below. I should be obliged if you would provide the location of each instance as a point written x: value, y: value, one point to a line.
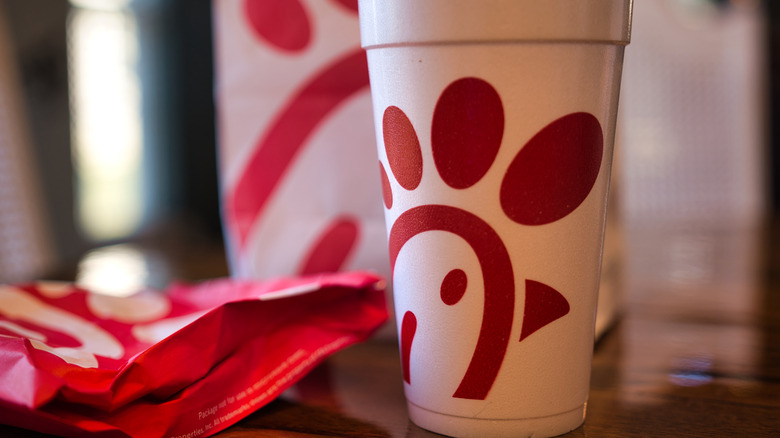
x: 188, y: 362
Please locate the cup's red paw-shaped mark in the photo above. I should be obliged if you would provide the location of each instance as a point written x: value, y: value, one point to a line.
x: 387, y: 191
x: 498, y: 284
x: 402, y: 147
x: 554, y: 172
x: 543, y: 305
x: 333, y: 247
x: 352, y: 5
x: 282, y: 23
x: 408, y: 329
x: 468, y: 124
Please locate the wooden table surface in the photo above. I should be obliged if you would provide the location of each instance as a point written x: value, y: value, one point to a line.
x: 695, y: 353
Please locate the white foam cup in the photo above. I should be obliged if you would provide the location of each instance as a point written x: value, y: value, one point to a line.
x: 495, y: 124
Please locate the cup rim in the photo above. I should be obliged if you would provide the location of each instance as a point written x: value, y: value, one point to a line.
x: 388, y: 23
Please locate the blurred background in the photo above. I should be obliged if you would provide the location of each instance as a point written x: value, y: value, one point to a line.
x: 107, y: 133
x: 113, y: 130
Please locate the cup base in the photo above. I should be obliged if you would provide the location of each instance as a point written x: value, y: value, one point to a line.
x: 465, y: 427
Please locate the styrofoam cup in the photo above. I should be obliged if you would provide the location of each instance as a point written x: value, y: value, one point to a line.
x: 495, y: 123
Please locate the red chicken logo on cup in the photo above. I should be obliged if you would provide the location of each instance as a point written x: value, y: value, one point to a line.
x: 548, y: 179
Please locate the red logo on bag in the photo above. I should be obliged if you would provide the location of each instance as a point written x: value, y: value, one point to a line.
x: 547, y: 180
x: 285, y: 25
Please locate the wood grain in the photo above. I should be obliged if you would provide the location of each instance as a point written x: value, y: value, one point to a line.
x: 696, y: 353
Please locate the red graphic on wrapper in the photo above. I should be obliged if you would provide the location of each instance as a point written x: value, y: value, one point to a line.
x: 545, y: 182
x: 282, y: 23
x: 75, y: 363
x: 352, y: 5
x: 286, y: 25
x: 288, y: 134
x: 333, y: 248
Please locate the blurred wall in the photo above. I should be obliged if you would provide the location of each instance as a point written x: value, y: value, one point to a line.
x: 175, y: 68
x: 691, y: 137
x: 37, y: 31
x: 773, y: 95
